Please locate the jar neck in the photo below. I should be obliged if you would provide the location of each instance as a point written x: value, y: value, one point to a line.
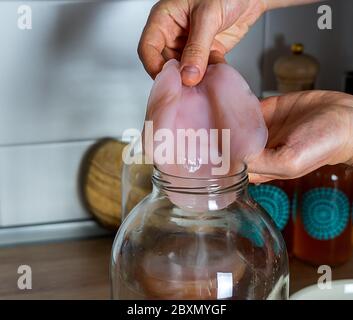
x: 199, y: 194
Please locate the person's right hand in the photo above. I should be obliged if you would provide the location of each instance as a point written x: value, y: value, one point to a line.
x: 307, y: 130
x: 194, y: 31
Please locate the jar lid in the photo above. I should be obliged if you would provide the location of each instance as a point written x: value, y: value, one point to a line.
x: 297, y: 48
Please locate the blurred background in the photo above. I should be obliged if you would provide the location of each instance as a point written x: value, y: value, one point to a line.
x: 75, y: 78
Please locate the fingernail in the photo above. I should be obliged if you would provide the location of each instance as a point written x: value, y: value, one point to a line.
x: 190, y: 74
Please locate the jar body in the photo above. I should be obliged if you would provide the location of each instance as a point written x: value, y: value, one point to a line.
x: 323, y: 222
x: 163, y: 251
x: 136, y: 186
x: 279, y: 199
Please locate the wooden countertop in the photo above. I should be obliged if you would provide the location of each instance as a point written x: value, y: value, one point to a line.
x: 79, y: 269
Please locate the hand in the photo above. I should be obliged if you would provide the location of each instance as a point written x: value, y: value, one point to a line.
x: 307, y: 130
x: 197, y: 32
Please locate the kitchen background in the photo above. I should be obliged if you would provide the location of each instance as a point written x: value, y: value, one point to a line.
x: 76, y: 78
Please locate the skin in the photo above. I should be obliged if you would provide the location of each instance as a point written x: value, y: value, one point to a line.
x: 198, y: 32
x: 307, y: 130
x: 195, y: 32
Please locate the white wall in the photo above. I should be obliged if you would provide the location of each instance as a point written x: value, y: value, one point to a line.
x: 75, y: 75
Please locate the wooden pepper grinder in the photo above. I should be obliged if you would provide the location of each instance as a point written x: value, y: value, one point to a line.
x: 297, y: 71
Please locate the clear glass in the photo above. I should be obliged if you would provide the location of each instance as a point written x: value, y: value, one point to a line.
x: 323, y: 223
x: 136, y: 185
x: 136, y: 179
x: 199, y: 239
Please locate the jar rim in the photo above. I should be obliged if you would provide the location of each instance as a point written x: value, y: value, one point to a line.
x: 239, y: 173
x: 204, y: 185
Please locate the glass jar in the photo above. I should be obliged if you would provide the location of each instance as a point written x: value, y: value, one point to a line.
x: 323, y: 222
x: 199, y: 239
x: 136, y: 185
x: 136, y: 177
x: 279, y: 199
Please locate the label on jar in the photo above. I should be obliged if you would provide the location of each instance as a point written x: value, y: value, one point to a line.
x: 274, y: 200
x: 325, y: 213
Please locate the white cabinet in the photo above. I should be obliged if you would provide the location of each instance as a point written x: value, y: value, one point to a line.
x: 40, y: 183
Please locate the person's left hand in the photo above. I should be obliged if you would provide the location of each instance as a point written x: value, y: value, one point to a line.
x: 307, y: 130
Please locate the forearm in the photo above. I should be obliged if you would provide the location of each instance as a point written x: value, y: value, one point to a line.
x: 274, y: 4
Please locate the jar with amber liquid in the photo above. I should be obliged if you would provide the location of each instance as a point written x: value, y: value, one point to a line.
x: 323, y: 223
x: 279, y: 199
x: 199, y: 239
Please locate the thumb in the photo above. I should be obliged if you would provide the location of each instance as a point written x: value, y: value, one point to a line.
x: 194, y: 60
x: 283, y: 162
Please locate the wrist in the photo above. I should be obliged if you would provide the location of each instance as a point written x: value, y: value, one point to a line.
x: 276, y: 4
x: 340, y: 107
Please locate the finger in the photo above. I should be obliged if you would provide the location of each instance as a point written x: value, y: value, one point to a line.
x: 258, y: 178
x: 216, y: 57
x: 276, y: 109
x: 150, y: 49
x: 194, y: 60
x: 277, y: 163
x: 282, y: 163
x: 178, y: 43
x: 268, y: 108
x: 157, y: 34
x: 168, y: 54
